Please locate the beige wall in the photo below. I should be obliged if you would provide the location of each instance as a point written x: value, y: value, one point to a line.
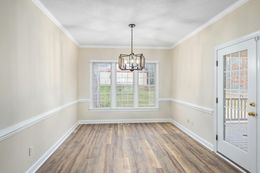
x: 41, y: 69
x: 38, y: 72
x: 193, y: 67
x: 14, y: 151
x: 88, y: 54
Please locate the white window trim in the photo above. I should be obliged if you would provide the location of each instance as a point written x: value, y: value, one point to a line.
x: 113, y: 92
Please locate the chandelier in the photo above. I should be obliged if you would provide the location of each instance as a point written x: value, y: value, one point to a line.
x: 131, y: 61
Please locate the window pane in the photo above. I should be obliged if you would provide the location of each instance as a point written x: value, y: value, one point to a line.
x: 101, y: 85
x: 124, y: 88
x: 147, y: 86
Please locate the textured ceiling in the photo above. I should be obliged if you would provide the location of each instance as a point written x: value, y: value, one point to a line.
x: 159, y: 23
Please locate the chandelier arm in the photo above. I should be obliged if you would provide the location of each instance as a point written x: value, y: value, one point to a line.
x: 124, y: 55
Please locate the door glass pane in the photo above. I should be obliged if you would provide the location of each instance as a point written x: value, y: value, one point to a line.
x: 235, y: 99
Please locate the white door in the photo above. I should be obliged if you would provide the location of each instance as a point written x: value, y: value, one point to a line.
x: 237, y: 103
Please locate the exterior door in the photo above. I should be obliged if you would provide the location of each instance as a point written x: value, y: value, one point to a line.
x: 236, y: 107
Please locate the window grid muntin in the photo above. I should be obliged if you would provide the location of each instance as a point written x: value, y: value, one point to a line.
x: 152, y: 88
x: 124, y: 88
x: 101, y: 85
x: 147, y: 86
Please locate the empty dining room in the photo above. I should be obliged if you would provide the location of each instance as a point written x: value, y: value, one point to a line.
x: 129, y: 86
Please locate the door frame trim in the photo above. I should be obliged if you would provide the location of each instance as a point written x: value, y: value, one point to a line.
x: 215, y: 94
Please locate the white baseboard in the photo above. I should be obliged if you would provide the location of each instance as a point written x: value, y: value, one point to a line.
x: 181, y: 127
x: 193, y: 135
x: 51, y: 150
x: 54, y: 147
x: 111, y: 121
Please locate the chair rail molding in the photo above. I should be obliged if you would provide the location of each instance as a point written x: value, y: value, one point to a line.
x: 194, y: 106
x: 168, y: 99
x: 84, y: 100
x: 13, y: 129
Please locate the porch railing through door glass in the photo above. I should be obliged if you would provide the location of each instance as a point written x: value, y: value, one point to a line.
x: 235, y: 109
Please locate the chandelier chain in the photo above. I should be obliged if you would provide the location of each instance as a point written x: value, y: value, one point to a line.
x: 132, y: 40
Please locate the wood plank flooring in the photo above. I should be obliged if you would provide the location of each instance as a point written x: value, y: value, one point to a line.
x: 133, y: 148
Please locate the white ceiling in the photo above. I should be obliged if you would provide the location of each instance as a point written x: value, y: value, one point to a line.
x: 160, y: 23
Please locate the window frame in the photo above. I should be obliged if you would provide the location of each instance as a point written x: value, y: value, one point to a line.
x: 113, y: 89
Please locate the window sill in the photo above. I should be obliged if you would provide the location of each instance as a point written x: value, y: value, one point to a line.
x: 143, y: 109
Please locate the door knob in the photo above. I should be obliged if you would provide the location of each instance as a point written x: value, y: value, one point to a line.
x: 252, y: 104
x: 252, y: 114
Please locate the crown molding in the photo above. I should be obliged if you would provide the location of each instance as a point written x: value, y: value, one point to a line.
x: 123, y: 47
x: 45, y: 11
x: 219, y: 16
x: 216, y: 18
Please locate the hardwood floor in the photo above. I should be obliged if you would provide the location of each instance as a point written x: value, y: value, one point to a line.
x: 133, y: 148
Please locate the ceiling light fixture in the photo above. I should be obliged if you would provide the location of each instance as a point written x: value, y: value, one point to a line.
x: 132, y: 61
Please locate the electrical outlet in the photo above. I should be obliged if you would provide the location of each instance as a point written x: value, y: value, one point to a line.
x: 30, y: 151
